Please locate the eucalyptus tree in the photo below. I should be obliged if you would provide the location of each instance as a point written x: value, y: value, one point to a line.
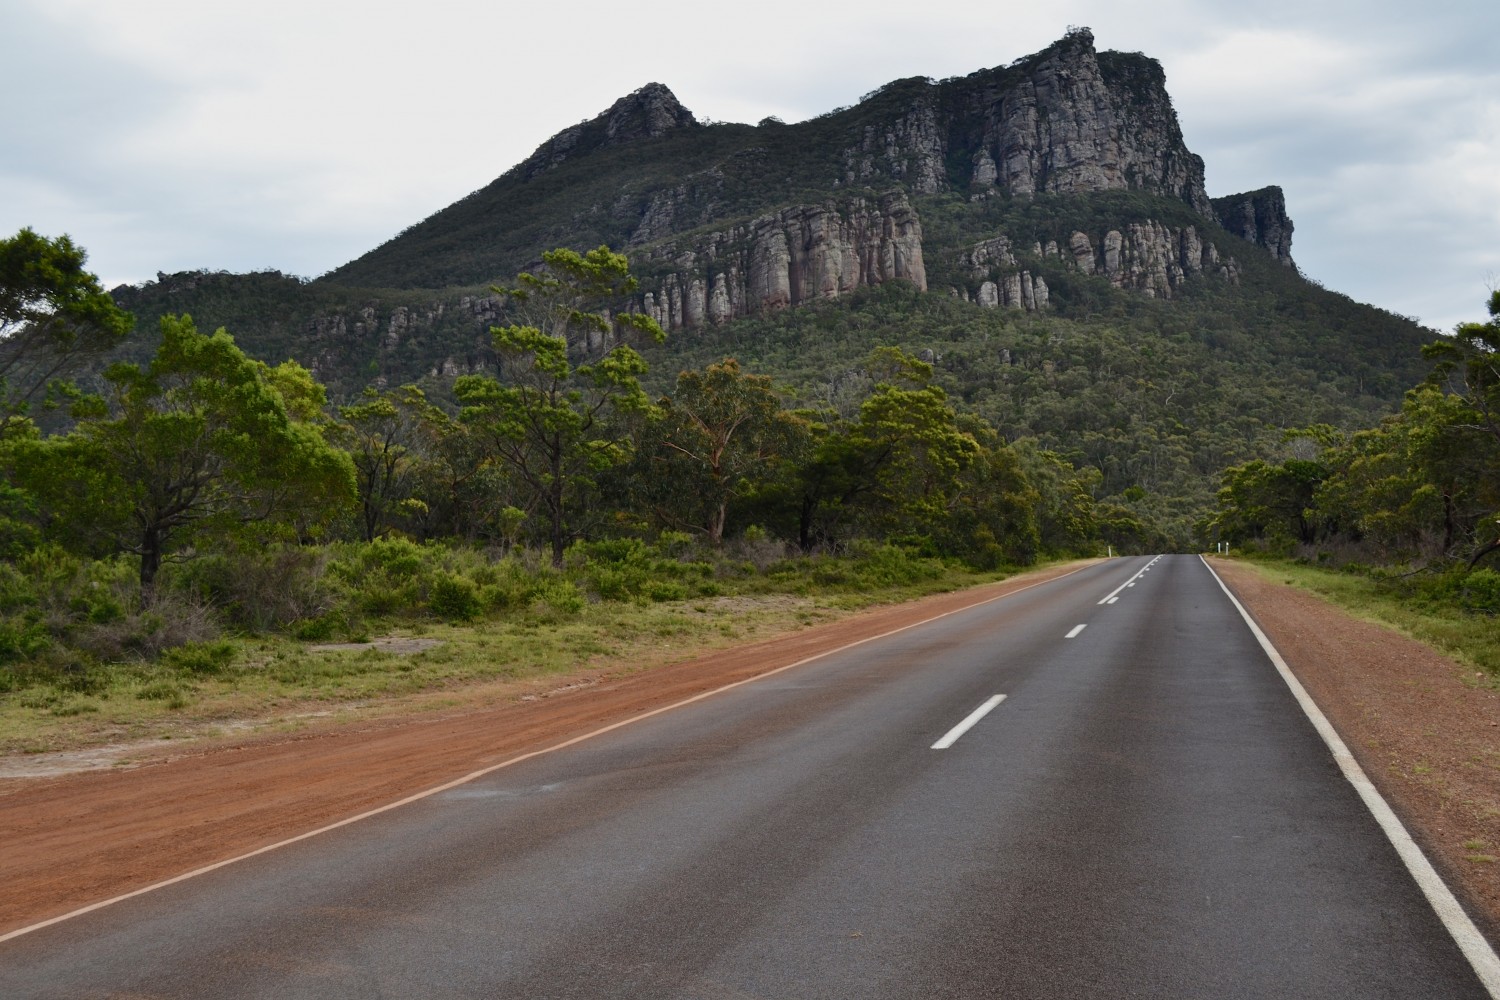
x: 723, y: 432
x: 570, y: 381
x: 202, y: 440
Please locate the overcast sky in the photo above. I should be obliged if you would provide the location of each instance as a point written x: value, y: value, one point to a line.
x: 168, y: 135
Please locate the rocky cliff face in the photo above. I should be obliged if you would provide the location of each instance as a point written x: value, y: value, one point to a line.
x: 1145, y: 257
x: 786, y: 258
x: 910, y: 150
x: 1067, y: 120
x: 1149, y: 258
x: 1002, y: 279
x: 342, y: 334
x: 724, y: 221
x: 1259, y: 217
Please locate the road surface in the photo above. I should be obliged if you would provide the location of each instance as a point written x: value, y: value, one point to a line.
x: 1146, y: 813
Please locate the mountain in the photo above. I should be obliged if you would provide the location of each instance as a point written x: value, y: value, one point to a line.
x: 1039, y: 230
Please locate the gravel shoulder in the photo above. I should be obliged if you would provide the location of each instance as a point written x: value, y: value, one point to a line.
x: 1427, y: 738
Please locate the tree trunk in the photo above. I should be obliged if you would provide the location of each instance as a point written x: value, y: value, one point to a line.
x: 804, y: 523
x: 555, y: 508
x: 151, y: 552
x: 1449, y: 525
x: 716, y: 523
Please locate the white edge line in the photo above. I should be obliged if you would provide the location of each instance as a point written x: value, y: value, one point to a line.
x: 1076, y: 629
x: 1472, y: 943
x: 474, y: 775
x: 969, y: 722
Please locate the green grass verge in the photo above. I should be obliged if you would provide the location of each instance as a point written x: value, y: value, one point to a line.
x: 1412, y: 608
x: 276, y: 679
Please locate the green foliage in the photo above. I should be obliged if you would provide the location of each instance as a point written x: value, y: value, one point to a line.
x: 1420, y: 490
x: 554, y: 426
x: 261, y: 588
x: 627, y: 569
x: 453, y: 598
x: 201, y: 657
x: 1273, y: 502
x: 722, y: 435
x: 54, y: 318
x: 199, y: 443
x: 380, y: 432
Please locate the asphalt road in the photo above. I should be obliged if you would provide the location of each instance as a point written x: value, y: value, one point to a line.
x: 1147, y: 813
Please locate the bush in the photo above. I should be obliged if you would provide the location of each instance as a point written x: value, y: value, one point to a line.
x: 1477, y: 591
x: 265, y: 589
x: 173, y: 620
x: 21, y: 639
x: 453, y: 598
x: 1481, y: 591
x: 162, y: 690
x: 200, y: 657
x: 396, y: 558
x: 558, y: 599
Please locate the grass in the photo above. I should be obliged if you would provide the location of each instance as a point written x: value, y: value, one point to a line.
x: 276, y: 680
x: 1471, y: 638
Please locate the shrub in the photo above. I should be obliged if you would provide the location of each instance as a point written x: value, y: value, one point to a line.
x: 162, y: 690
x: 21, y: 639
x: 173, y: 620
x: 666, y: 590
x: 200, y: 657
x: 453, y: 598
x: 397, y: 558
x: 558, y: 599
x: 1474, y: 591
x: 263, y: 590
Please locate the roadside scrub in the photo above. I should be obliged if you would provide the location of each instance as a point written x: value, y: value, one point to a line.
x: 276, y: 634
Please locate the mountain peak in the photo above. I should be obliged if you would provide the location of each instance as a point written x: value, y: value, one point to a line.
x: 648, y: 113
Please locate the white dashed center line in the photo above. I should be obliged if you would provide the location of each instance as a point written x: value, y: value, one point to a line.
x: 1110, y: 597
x: 968, y: 723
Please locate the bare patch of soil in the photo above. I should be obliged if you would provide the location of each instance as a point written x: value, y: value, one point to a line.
x: 387, y: 644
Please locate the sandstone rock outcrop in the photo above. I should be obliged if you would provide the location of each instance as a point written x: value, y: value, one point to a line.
x: 910, y: 150
x: 1002, y: 279
x: 1067, y: 120
x: 1145, y: 257
x: 340, y: 335
x: 1150, y: 258
x: 785, y: 258
x: 1070, y: 120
